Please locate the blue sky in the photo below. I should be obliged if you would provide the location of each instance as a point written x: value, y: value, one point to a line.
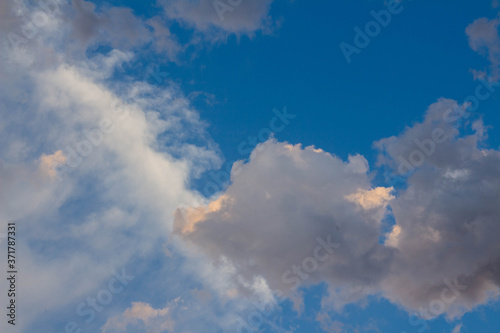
x: 150, y: 195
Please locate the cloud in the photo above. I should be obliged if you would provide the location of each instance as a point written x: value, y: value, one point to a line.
x: 445, y: 217
x: 119, y: 28
x: 88, y: 27
x: 222, y: 17
x: 418, y: 143
x: 484, y: 39
x: 49, y: 163
x: 328, y: 325
x: 165, y: 41
x: 278, y: 205
x: 457, y: 329
x: 393, y: 237
x: 141, y: 317
x: 441, y: 256
x: 92, y: 168
x: 368, y: 199
x: 116, y: 26
x: 194, y: 215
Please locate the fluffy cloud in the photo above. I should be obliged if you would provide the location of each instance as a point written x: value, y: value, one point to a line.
x: 440, y: 257
x: 222, y: 17
x: 282, y: 209
x: 377, y: 197
x: 483, y: 38
x: 445, y: 260
x: 446, y: 217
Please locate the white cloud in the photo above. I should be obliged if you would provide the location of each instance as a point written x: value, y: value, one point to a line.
x: 141, y: 317
x: 374, y: 198
x: 393, y: 236
x: 112, y: 145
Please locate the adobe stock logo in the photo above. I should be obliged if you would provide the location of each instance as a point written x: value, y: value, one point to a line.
x: 427, y: 146
x: 437, y: 306
x: 372, y: 29
x: 35, y: 17
x: 265, y: 312
x: 103, y: 297
x: 310, y: 264
x: 41, y: 16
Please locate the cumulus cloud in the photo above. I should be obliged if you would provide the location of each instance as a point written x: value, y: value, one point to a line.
x: 441, y: 256
x: 293, y: 207
x: 446, y: 215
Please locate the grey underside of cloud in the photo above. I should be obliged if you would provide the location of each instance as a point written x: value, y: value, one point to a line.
x: 448, y: 215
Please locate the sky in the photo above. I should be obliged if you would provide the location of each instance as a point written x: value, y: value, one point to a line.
x: 250, y: 166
